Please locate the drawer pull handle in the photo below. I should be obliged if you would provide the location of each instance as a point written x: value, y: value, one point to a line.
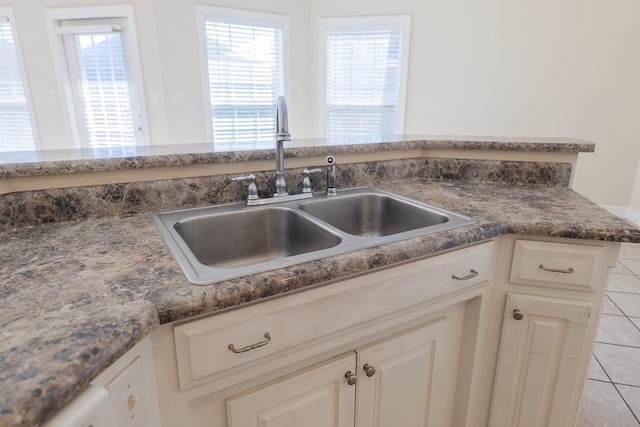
x: 252, y: 346
x: 472, y: 274
x: 517, y: 314
x: 556, y: 270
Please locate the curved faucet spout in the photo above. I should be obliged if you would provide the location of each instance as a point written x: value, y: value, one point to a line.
x: 282, y: 134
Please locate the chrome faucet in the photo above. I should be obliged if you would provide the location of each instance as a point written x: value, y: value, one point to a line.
x: 282, y: 135
x: 281, y: 195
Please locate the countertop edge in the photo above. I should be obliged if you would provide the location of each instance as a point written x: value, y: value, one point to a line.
x: 17, y: 164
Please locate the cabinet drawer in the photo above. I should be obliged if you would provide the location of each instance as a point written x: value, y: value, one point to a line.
x: 557, y: 265
x: 230, y: 343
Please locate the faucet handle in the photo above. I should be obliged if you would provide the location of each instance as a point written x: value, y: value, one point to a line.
x: 306, y: 182
x: 253, y: 190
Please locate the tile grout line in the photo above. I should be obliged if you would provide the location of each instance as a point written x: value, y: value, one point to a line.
x: 615, y: 385
x: 628, y: 385
x: 618, y: 345
x: 624, y: 314
x: 626, y: 403
x: 602, y: 367
x: 616, y: 388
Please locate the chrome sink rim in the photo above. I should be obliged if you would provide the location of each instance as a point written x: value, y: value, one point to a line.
x: 200, y: 274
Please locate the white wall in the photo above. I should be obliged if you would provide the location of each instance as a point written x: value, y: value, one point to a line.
x: 477, y: 67
x: 635, y: 194
x: 526, y: 68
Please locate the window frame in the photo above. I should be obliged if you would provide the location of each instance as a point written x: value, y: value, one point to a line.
x: 358, y: 23
x: 7, y: 12
x: 244, y: 17
x: 132, y: 58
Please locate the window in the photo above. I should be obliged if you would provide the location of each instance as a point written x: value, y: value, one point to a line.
x: 97, y: 50
x: 16, y: 128
x: 244, y: 70
x: 365, y: 64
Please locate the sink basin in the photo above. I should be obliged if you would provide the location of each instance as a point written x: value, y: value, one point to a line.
x: 226, y: 241
x: 222, y: 242
x: 236, y: 239
x: 373, y: 215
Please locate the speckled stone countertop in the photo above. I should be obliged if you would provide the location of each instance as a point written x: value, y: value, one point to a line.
x: 77, y: 295
x: 84, y: 160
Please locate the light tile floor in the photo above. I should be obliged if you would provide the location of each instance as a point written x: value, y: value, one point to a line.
x: 612, y: 392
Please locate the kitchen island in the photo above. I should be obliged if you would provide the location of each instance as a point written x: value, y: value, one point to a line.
x: 79, y: 292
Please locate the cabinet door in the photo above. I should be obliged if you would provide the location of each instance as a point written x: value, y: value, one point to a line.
x: 537, y: 380
x: 316, y: 397
x: 410, y: 379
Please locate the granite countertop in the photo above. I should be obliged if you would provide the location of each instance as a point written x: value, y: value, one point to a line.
x: 76, y: 296
x: 52, y: 162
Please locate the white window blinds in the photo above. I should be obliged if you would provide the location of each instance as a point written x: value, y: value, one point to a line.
x: 245, y: 68
x: 365, y: 79
x: 95, y: 51
x: 16, y: 131
x: 100, y: 84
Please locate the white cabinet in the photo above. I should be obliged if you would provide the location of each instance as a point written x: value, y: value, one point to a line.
x: 480, y: 336
x: 320, y: 396
x: 406, y: 380
x: 543, y: 342
x: 132, y: 392
x: 546, y: 303
x: 559, y: 265
x: 283, y: 362
x: 409, y: 380
x: 124, y: 395
x: 300, y: 325
x: 91, y: 408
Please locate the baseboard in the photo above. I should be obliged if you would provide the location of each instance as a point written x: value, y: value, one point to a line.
x: 631, y: 215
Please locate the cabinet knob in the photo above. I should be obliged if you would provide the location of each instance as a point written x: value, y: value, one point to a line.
x: 369, y: 370
x: 351, y: 377
x: 517, y: 314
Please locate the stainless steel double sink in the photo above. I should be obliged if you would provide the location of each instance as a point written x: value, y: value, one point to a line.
x: 221, y: 242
